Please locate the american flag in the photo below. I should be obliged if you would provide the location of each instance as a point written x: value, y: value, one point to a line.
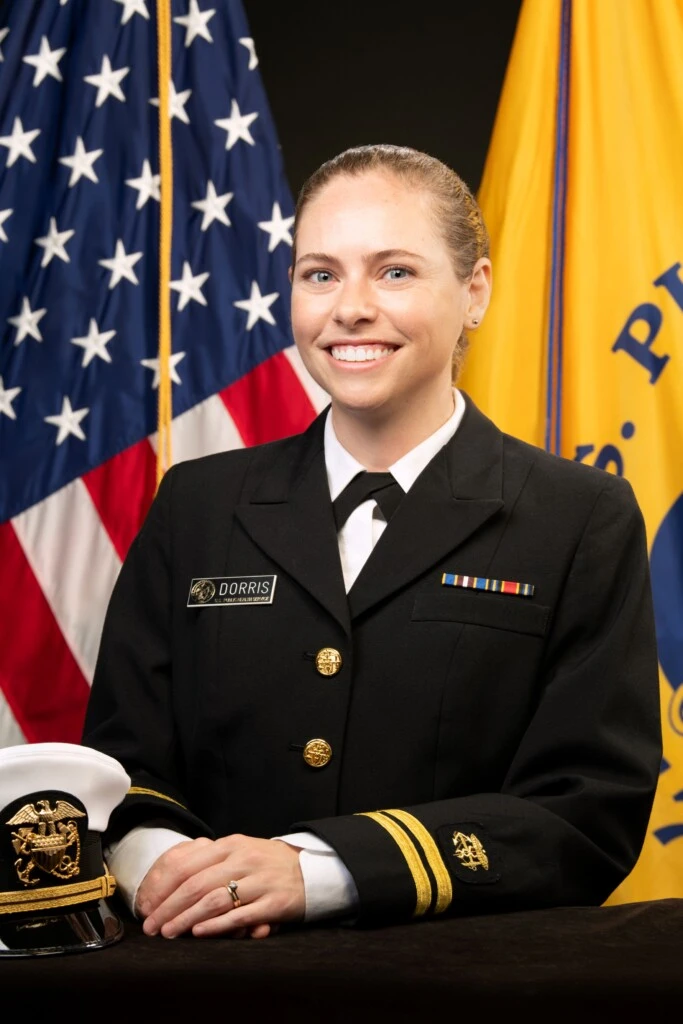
x: 79, y: 307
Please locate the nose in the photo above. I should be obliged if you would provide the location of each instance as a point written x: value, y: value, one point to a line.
x: 355, y: 304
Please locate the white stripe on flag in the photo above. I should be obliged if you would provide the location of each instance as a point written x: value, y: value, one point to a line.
x: 10, y: 733
x: 318, y: 398
x: 75, y: 564
x: 204, y: 429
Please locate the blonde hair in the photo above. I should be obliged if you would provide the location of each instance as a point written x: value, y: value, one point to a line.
x: 456, y: 211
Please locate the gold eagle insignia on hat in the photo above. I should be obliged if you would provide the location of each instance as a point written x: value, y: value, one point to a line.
x: 46, y: 849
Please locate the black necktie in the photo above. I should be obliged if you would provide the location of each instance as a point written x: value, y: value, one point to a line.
x: 381, y: 487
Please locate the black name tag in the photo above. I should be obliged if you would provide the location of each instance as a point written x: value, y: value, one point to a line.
x: 219, y: 590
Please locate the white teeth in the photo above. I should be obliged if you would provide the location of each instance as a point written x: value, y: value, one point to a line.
x: 358, y: 354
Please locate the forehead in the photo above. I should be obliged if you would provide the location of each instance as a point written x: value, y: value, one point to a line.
x: 374, y: 208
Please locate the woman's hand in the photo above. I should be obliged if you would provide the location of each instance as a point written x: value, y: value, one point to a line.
x: 187, y: 888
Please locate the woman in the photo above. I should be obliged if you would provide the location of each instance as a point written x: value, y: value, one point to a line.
x: 440, y: 692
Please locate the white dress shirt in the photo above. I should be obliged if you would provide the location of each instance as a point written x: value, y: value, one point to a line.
x: 329, y: 887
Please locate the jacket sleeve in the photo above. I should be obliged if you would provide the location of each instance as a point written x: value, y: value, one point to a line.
x: 571, y: 816
x: 131, y: 697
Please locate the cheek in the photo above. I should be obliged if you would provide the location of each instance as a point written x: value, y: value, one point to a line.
x: 414, y: 315
x: 307, y: 316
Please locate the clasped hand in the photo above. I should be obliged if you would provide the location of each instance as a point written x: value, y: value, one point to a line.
x: 186, y: 888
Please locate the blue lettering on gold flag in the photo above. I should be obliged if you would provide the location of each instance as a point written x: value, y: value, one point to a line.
x: 651, y: 315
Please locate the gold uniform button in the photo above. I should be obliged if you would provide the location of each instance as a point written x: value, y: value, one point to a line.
x: 328, y: 661
x: 317, y: 753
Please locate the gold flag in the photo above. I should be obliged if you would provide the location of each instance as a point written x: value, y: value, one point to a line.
x: 581, y: 351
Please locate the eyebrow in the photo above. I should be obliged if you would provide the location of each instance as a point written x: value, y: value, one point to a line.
x: 383, y: 254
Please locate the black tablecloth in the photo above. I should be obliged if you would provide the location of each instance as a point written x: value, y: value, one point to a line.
x: 601, y: 963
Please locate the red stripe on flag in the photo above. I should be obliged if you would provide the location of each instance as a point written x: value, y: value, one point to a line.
x: 269, y: 403
x: 122, y: 490
x: 44, y: 687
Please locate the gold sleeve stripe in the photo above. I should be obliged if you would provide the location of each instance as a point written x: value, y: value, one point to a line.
x: 141, y: 791
x: 444, y: 887
x: 423, y: 886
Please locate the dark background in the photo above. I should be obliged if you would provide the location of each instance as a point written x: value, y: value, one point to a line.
x: 349, y: 73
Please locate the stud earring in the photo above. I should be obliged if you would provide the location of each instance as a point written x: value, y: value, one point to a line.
x: 475, y: 322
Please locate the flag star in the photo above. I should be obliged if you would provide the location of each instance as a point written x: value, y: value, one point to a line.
x: 4, y: 32
x: 147, y: 185
x: 26, y: 322
x: 190, y: 287
x: 94, y: 343
x: 68, y: 421
x: 4, y: 214
x: 278, y: 228
x: 107, y: 82
x: 195, y: 22
x: 253, y: 59
x: 7, y: 396
x: 19, y: 142
x: 237, y: 126
x: 213, y: 206
x: 153, y: 364
x: 176, y: 103
x: 121, y: 265
x: 45, y: 62
x: 132, y: 7
x: 81, y: 163
x: 53, y: 243
x: 258, y: 306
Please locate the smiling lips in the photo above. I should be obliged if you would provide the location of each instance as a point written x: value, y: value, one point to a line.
x: 368, y: 353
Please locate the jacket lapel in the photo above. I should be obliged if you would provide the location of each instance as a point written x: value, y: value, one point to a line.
x: 290, y: 517
x: 454, y: 496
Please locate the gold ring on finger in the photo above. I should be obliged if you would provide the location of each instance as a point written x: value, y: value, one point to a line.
x: 232, y: 891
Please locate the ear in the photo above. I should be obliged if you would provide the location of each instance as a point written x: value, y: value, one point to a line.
x: 289, y: 273
x: 479, y: 291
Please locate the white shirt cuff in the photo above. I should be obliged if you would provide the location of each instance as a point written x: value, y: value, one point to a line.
x: 329, y: 887
x: 130, y: 859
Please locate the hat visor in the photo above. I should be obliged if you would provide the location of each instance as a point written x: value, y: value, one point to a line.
x: 51, y: 934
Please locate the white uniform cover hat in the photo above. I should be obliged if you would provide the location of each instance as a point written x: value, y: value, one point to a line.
x: 55, y: 801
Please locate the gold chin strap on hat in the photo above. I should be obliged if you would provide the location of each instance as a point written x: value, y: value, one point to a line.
x: 53, y: 897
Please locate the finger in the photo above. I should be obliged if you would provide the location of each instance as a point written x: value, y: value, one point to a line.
x: 238, y: 933
x: 215, y: 903
x: 267, y: 909
x: 204, y: 895
x: 173, y: 868
x: 261, y: 931
x: 235, y: 921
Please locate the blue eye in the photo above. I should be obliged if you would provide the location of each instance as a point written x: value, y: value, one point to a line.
x: 320, y: 276
x: 397, y: 273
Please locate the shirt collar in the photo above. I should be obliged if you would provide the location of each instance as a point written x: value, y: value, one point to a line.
x: 342, y: 467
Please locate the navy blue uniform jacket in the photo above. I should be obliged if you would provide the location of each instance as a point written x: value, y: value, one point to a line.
x: 489, y: 751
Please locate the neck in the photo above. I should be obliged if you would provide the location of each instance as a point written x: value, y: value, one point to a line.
x: 378, y: 438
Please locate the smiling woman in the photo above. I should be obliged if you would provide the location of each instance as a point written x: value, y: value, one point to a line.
x: 445, y: 698
x: 390, y: 267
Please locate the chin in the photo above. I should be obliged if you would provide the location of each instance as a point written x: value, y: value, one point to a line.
x: 360, y: 401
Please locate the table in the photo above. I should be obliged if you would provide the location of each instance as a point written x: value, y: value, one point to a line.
x: 580, y: 964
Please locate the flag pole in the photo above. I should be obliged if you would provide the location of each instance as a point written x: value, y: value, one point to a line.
x: 164, y: 451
